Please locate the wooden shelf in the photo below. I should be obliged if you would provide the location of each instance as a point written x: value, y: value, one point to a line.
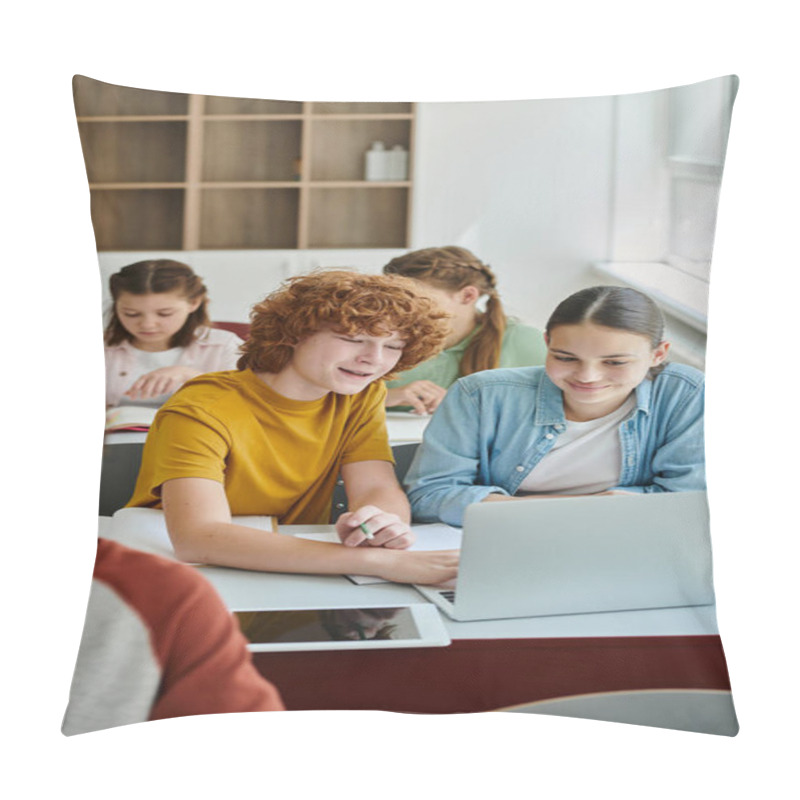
x: 351, y: 217
x: 171, y: 171
x: 138, y: 219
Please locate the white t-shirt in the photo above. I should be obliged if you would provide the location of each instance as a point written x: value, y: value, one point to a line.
x: 147, y: 361
x: 585, y: 459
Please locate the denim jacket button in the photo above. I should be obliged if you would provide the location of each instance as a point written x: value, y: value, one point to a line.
x: 548, y: 436
x: 520, y: 468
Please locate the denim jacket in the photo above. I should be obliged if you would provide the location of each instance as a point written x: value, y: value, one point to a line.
x: 493, y: 427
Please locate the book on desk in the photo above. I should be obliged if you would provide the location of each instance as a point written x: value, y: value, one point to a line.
x: 130, y: 418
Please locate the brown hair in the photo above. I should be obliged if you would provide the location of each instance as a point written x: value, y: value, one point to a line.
x: 376, y: 305
x: 613, y: 307
x: 452, y: 268
x: 158, y: 276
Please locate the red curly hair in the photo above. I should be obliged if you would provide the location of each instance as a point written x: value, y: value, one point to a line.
x: 350, y: 303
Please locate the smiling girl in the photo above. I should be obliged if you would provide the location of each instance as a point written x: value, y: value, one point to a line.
x: 159, y: 335
x: 605, y: 414
x: 271, y: 438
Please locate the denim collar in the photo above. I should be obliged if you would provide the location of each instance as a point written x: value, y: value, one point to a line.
x: 549, y: 403
x: 644, y: 394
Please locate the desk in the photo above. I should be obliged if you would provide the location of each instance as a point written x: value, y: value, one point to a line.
x: 401, y: 426
x: 615, y: 666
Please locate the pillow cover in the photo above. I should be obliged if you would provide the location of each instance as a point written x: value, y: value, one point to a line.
x: 558, y: 195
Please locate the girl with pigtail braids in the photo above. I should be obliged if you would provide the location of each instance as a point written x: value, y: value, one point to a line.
x: 477, y: 341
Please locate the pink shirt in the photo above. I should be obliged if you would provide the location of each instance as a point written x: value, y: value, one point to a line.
x: 212, y: 350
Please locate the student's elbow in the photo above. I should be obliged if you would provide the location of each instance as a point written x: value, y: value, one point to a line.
x: 186, y: 546
x: 194, y: 509
x: 192, y: 540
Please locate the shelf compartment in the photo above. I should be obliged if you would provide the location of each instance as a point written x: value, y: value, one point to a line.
x: 243, y: 105
x: 251, y: 150
x: 358, y: 217
x: 338, y: 147
x: 360, y: 108
x: 134, y: 152
x: 97, y: 99
x: 249, y: 219
x: 137, y: 219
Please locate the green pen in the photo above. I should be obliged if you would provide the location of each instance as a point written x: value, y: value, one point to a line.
x: 365, y: 531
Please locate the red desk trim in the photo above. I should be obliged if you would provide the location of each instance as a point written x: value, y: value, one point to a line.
x: 487, y: 674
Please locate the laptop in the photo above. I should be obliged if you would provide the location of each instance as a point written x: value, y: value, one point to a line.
x: 578, y: 555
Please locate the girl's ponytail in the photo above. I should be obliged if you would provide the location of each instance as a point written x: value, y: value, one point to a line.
x: 453, y: 268
x: 483, y: 352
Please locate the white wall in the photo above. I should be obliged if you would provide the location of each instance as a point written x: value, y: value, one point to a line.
x: 236, y: 279
x: 525, y: 185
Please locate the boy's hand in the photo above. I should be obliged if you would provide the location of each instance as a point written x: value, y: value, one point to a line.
x: 380, y: 529
x: 432, y: 567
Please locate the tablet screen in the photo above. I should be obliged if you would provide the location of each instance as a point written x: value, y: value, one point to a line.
x: 329, y: 625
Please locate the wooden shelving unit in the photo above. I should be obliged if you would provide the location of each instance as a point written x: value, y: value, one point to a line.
x: 172, y: 171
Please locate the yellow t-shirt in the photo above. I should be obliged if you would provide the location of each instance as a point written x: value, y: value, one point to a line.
x: 275, y: 456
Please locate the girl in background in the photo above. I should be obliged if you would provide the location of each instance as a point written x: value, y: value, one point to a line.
x: 605, y: 414
x: 159, y: 334
x: 477, y: 340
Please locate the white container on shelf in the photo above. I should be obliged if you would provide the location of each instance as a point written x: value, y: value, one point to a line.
x: 375, y: 163
x: 398, y: 163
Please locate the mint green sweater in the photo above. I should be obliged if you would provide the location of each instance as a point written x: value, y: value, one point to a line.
x: 523, y: 346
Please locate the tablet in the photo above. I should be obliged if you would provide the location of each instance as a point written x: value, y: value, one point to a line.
x: 342, y: 628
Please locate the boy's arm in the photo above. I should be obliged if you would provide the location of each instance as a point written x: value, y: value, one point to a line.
x: 379, y: 504
x: 199, y: 523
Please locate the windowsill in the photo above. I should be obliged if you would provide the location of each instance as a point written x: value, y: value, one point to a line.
x: 681, y: 295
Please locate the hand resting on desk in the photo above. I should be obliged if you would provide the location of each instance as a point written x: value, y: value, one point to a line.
x: 392, y: 534
x: 428, y: 567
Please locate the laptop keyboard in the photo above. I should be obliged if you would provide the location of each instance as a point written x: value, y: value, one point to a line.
x: 449, y: 595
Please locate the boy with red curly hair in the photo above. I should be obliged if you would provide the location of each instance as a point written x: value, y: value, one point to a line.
x: 271, y: 438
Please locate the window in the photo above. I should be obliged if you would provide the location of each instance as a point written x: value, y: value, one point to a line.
x: 669, y: 153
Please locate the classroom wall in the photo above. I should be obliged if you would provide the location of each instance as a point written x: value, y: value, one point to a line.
x: 236, y: 279
x: 526, y: 185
